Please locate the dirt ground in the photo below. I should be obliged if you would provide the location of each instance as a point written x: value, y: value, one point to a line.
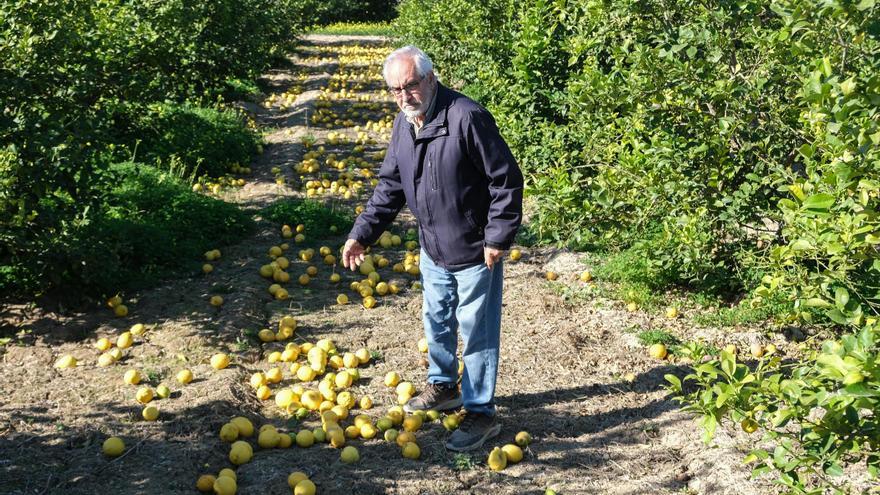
x: 561, y: 374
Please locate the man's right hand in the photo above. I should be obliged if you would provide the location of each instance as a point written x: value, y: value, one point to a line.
x: 353, y: 254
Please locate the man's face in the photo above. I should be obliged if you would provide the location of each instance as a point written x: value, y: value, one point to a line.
x: 412, y: 93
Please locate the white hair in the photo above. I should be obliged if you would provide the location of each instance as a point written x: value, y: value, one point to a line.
x: 420, y: 59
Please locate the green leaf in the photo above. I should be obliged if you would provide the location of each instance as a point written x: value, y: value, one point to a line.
x: 865, y: 5
x: 815, y: 302
x: 841, y: 297
x: 819, y: 202
x: 674, y: 381
x: 802, y: 245
x: 728, y: 363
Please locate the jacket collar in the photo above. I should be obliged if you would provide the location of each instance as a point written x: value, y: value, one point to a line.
x: 438, y: 124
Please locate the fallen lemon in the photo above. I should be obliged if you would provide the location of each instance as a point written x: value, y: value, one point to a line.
x: 113, y: 446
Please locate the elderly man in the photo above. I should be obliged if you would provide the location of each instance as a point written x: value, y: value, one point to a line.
x: 448, y: 163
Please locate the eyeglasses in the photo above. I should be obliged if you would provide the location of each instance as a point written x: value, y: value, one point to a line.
x: 409, y: 88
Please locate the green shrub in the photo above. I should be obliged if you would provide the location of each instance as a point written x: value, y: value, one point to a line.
x: 318, y: 218
x: 152, y: 226
x: 204, y: 139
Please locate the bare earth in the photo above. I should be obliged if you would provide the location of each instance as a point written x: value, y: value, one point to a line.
x: 560, y: 378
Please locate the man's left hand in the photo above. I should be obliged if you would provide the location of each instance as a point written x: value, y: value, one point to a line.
x: 492, y: 256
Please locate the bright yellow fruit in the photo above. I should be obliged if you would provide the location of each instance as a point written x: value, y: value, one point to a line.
x: 657, y: 351
x: 523, y: 438
x: 240, y: 453
x: 103, y: 344
x: 513, y: 453
x: 150, y: 413
x: 132, y: 377
x: 66, y: 361
x: 205, y: 483
x: 163, y: 391
x: 144, y: 395
x: 497, y: 460
x: 184, y: 376
x: 245, y: 427
x: 225, y: 485
x: 113, y: 447
x: 138, y: 329
x: 219, y: 361
x: 349, y: 455
x: 515, y: 254
x: 295, y: 477
x: 551, y: 276
x: 392, y: 378
x: 672, y: 312
x: 125, y: 340
x: 411, y: 450
x: 304, y: 487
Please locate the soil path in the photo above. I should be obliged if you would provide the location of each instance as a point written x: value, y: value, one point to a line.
x: 564, y: 372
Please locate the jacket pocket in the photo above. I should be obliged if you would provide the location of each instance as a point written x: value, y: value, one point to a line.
x: 469, y: 216
x: 432, y: 172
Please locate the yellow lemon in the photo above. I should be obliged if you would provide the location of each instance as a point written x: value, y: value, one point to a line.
x: 138, y: 329
x: 266, y: 335
x: 304, y: 487
x: 523, y: 438
x: 125, y: 340
x: 497, y: 460
x: 103, y: 344
x: 366, y: 402
x: 144, y: 395
x: 163, y: 391
x: 184, y: 376
x: 219, y: 361
x: 513, y: 453
x: 66, y: 361
x: 225, y: 485
x: 405, y: 388
x: 229, y: 433
x: 113, y: 447
x: 411, y: 450
x: 205, y: 483
x: 657, y: 351
x: 342, y: 299
x: 121, y: 310
x: 390, y: 435
x: 240, y: 452
x: 295, y: 477
x: 392, y: 378
x: 216, y: 301
x: 244, y: 425
x: 150, y: 413
x: 349, y: 455
x: 132, y: 377
x: 268, y: 438
x: 229, y: 473
x: 515, y: 254
x: 264, y: 392
x: 274, y: 375
x: 258, y: 379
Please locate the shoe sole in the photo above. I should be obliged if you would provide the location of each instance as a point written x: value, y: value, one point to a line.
x: 443, y: 406
x: 490, y: 433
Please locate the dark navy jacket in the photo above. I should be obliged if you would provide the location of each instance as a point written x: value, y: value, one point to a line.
x: 458, y: 177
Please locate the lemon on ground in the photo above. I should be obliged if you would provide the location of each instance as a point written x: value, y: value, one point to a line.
x: 390, y: 435
x: 229, y: 432
x: 105, y: 360
x: 258, y: 379
x: 103, y: 344
x: 225, y: 485
x: 266, y: 335
x: 207, y: 268
x: 113, y: 446
x: 523, y: 438
x: 138, y: 329
x: 219, y: 361
x: 551, y: 275
x: 451, y: 422
x: 163, y: 391
x: 216, y: 301
x: 295, y: 477
x: 284, y: 398
x: 366, y: 402
x: 304, y: 487
x: 657, y: 351
x: 144, y: 395
x: 342, y: 299
x: 150, y: 413
x: 229, y: 473
x: 320, y: 435
x: 205, y: 483
x: 405, y: 388
x: 515, y: 254
x: 369, y: 302
x: 497, y: 460
x: 121, y: 310
x: 405, y: 436
x: 114, y: 301
x: 132, y: 377
x: 749, y: 425
x: 245, y: 427
x: 411, y: 450
x: 184, y: 376
x: 586, y: 276
x: 412, y: 423
x: 513, y: 453
x: 264, y: 392
x: 631, y: 307
x: 336, y: 437
x: 124, y: 340
x: 274, y: 375
x: 392, y: 378
x: 240, y: 452
x: 672, y: 312
x: 268, y: 438
x: 349, y: 455
x: 368, y: 431
x: 66, y: 361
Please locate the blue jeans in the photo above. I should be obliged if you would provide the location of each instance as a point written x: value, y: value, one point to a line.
x: 466, y: 300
